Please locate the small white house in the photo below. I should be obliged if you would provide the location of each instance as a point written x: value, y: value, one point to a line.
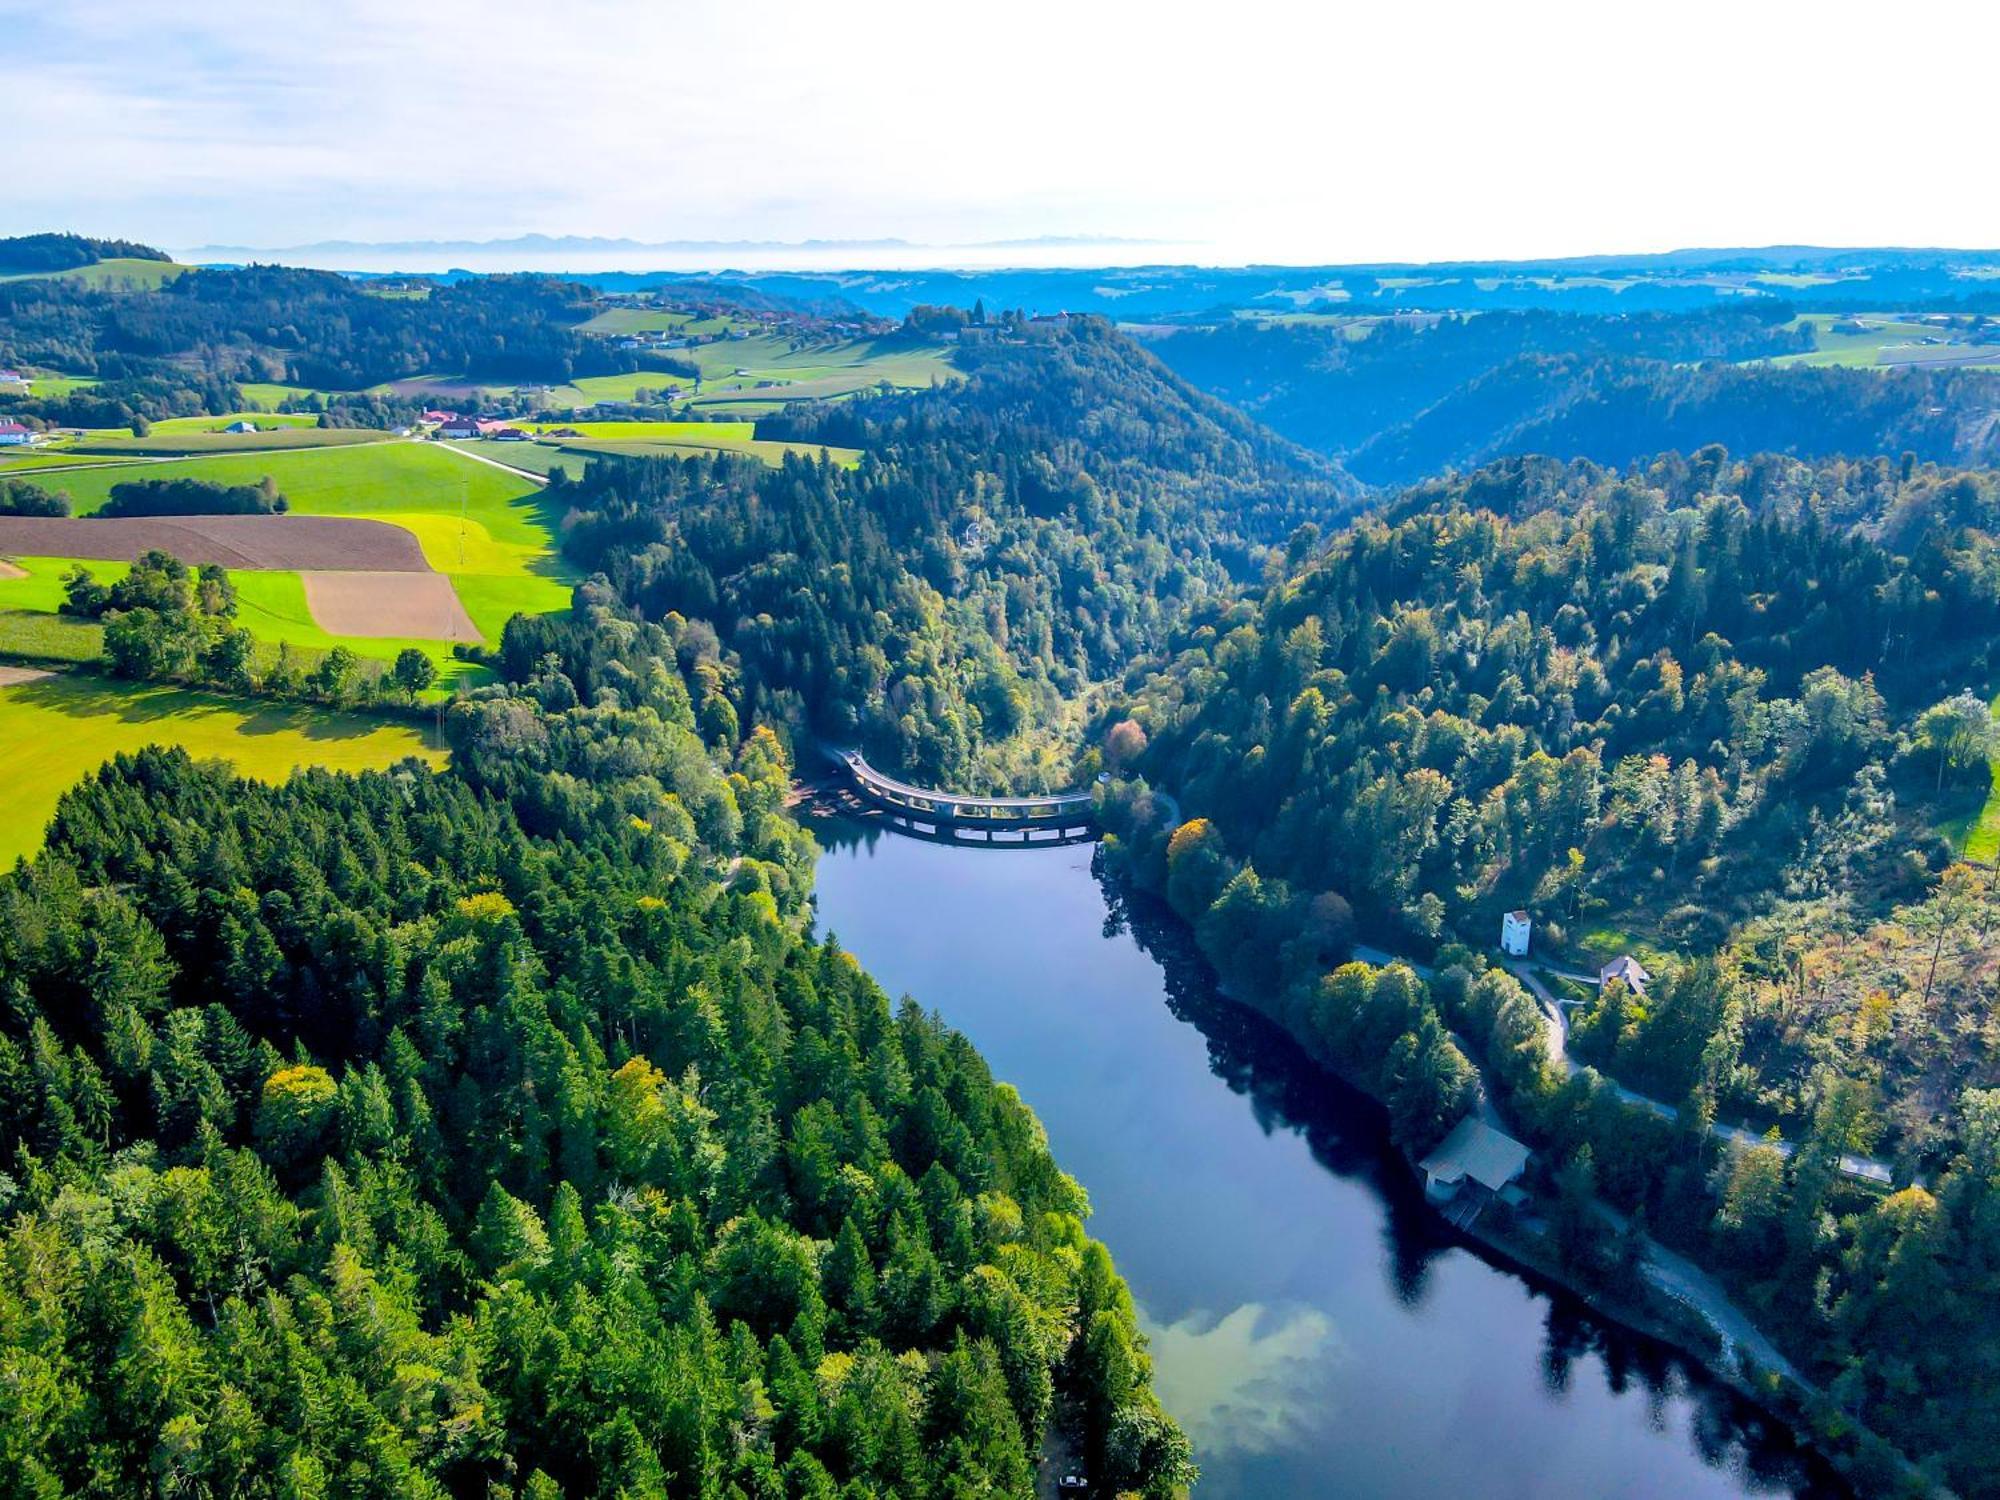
x: 241, y: 425
x: 1514, y: 931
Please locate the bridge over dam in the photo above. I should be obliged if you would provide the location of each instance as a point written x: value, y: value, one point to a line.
x: 1057, y: 818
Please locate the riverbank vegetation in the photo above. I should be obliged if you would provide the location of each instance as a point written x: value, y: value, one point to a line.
x: 1718, y: 702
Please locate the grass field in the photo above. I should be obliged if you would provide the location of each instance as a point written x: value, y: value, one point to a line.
x: 1886, y: 339
x: 168, y: 426
x: 769, y: 450
x: 52, y: 385
x: 117, y: 275
x: 616, y: 320
x: 590, y: 389
x: 270, y: 604
x: 203, y: 440
x: 705, y: 434
x: 35, y: 636
x: 490, y: 532
x: 48, y: 458
x: 264, y: 395
x: 58, y: 729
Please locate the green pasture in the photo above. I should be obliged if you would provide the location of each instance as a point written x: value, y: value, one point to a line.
x: 614, y: 321
x: 204, y: 440
x: 705, y: 434
x: 14, y: 460
x: 270, y: 604
x: 51, y: 385
x: 167, y: 426
x: 264, y: 396
x: 56, y: 730
x: 769, y: 450
x: 114, y: 275
x: 1866, y: 349
x: 490, y: 532
x: 588, y: 390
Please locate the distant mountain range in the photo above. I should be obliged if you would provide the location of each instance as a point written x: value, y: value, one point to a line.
x: 595, y: 245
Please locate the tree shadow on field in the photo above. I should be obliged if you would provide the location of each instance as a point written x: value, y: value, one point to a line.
x: 79, y: 697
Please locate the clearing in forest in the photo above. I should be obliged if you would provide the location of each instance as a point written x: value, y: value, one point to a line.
x: 55, y: 729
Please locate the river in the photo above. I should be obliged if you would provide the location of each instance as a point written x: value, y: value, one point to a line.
x: 1315, y: 1329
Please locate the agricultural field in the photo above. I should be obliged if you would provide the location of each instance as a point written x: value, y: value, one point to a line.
x: 770, y: 451
x: 763, y: 373
x: 265, y: 396
x: 48, y: 383
x: 206, y: 439
x: 14, y: 461
x: 588, y: 390
x: 485, y: 530
x: 1887, y: 339
x: 114, y: 275
x: 57, y: 728
x: 614, y: 321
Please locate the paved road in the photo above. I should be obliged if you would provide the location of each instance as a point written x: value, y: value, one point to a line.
x: 481, y: 458
x: 1556, y: 1020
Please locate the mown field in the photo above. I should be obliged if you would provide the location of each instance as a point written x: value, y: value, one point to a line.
x: 487, y: 531
x: 116, y: 275
x: 1887, y: 339
x: 57, y: 729
x: 614, y: 321
x: 205, y: 440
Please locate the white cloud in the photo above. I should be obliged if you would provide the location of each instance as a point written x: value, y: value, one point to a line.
x: 1263, y: 128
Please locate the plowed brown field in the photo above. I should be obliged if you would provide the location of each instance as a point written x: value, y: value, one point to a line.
x: 284, y: 542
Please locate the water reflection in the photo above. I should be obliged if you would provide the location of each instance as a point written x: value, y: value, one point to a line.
x: 1314, y: 1325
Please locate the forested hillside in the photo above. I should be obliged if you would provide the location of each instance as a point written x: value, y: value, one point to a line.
x: 179, y: 350
x: 1717, y: 708
x: 1005, y: 543
x: 1410, y: 399
x: 499, y: 1133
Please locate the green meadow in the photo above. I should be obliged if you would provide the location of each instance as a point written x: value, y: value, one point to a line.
x: 203, y: 440
x: 55, y: 730
x: 114, y: 275
x: 487, y: 530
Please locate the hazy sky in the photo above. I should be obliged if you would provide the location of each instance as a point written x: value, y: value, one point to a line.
x: 1298, y: 131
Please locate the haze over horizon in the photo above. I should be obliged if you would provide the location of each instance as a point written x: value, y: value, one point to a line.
x: 1272, y: 135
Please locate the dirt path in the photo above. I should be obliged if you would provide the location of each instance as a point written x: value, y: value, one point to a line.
x: 15, y: 676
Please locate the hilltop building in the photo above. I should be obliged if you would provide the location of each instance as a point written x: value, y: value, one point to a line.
x: 1515, y: 928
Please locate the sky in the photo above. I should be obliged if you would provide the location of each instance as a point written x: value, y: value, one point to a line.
x: 1250, y: 130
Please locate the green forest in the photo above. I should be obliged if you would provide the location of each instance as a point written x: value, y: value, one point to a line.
x: 511, y: 1130
x: 500, y: 1132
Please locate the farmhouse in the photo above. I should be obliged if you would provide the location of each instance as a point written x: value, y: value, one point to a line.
x: 1475, y: 1160
x: 14, y: 435
x: 459, y: 427
x: 15, y: 377
x: 439, y: 418
x: 1514, y: 931
x: 1627, y: 968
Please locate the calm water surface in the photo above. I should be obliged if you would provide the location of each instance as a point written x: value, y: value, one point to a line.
x: 1312, y: 1328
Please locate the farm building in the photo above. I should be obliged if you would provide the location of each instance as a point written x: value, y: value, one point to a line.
x: 510, y: 435
x: 13, y: 378
x: 241, y: 426
x: 14, y: 435
x: 1628, y: 969
x: 459, y: 427
x: 1515, y: 928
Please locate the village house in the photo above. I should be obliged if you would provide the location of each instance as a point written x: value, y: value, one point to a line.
x: 1514, y: 931
x: 1627, y: 968
x: 12, y: 378
x: 459, y: 427
x: 14, y: 435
